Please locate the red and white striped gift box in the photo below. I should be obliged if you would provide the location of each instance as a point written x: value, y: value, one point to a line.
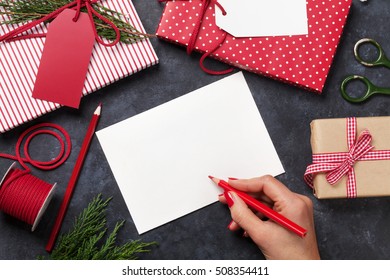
x: 19, y: 61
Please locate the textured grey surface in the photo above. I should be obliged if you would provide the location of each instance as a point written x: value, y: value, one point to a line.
x: 346, y: 229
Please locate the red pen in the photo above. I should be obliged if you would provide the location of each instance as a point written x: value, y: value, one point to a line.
x: 265, y: 210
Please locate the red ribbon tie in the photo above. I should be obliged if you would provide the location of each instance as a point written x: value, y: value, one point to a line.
x: 357, y: 151
x: 17, y: 34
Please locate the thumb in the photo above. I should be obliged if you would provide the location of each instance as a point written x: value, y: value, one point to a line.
x: 242, y: 215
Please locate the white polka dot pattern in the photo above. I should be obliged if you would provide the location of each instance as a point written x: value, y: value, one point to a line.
x: 303, y: 60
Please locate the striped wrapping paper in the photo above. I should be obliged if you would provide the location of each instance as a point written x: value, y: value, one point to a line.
x: 19, y: 63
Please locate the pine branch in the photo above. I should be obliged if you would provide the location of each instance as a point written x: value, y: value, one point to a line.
x: 82, y: 242
x: 21, y: 11
x: 109, y: 244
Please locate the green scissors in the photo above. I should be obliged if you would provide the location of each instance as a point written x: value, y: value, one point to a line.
x: 382, y: 60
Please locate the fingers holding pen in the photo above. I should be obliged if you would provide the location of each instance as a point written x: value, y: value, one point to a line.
x: 243, y: 217
x: 227, y: 198
x: 240, y: 185
x: 271, y: 188
x: 275, y: 237
x: 265, y: 200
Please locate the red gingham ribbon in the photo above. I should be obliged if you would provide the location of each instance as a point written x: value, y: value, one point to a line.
x: 336, y: 165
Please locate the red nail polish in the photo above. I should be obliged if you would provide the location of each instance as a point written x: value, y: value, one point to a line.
x: 232, y: 178
x: 229, y: 199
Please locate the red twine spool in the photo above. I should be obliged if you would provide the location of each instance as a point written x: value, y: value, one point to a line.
x: 22, y: 195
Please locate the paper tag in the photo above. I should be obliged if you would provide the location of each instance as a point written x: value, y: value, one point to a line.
x: 65, y: 59
x: 255, y: 18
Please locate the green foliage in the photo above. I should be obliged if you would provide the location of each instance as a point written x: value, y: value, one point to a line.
x: 20, y: 11
x: 85, y: 240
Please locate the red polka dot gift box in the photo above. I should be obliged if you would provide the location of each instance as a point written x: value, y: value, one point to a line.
x: 302, y: 60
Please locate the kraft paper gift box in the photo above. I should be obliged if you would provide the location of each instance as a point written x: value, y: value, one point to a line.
x: 366, y: 167
x: 20, y: 61
x: 301, y: 60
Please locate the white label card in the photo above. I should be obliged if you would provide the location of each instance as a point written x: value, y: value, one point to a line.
x: 256, y: 18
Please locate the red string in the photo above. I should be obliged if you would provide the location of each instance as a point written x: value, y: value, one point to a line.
x: 22, y: 195
x: 78, y: 10
x: 76, y: 5
x: 207, y: 54
x: 91, y: 13
x: 29, y: 134
x: 194, y: 37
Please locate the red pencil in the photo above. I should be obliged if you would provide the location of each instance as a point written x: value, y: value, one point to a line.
x: 265, y: 210
x: 73, y: 179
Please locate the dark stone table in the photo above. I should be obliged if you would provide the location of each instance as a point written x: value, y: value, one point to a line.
x: 346, y: 229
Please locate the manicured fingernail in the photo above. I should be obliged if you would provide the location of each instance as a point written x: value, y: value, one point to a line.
x: 221, y: 194
x: 229, y: 199
x: 232, y: 178
x: 231, y: 222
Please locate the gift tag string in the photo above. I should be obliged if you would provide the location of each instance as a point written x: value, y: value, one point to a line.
x: 23, y: 195
x: 194, y: 37
x: 77, y: 5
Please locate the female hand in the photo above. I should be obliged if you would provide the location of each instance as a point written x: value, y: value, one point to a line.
x: 274, y: 241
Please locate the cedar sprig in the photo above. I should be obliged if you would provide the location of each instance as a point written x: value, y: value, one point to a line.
x: 85, y: 240
x: 21, y: 11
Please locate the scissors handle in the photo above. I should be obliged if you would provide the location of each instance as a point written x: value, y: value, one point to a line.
x: 371, y: 89
x: 381, y: 60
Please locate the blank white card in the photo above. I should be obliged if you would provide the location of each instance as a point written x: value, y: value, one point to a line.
x: 254, y: 18
x: 161, y: 158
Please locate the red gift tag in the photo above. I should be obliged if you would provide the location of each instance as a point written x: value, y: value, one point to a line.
x: 65, y: 59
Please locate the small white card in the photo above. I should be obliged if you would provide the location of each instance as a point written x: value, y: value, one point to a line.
x: 255, y: 18
x: 161, y: 158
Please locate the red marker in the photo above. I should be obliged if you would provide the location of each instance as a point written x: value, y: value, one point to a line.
x: 265, y: 210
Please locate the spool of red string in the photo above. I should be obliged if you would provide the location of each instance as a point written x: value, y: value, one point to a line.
x: 22, y: 195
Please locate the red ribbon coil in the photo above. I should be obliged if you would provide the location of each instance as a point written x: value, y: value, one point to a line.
x: 23, y: 195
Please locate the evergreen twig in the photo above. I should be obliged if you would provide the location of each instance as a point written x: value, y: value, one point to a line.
x: 85, y: 240
x: 20, y: 11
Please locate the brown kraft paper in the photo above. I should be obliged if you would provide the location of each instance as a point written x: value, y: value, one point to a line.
x: 372, y: 177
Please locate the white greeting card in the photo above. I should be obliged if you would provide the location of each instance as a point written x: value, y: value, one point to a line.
x: 255, y: 18
x: 161, y: 158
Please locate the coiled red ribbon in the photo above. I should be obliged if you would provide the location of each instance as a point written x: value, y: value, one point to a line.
x: 194, y: 37
x: 336, y: 165
x: 23, y: 195
x: 76, y: 5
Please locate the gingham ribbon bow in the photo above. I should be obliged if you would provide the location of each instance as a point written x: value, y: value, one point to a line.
x: 336, y: 165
